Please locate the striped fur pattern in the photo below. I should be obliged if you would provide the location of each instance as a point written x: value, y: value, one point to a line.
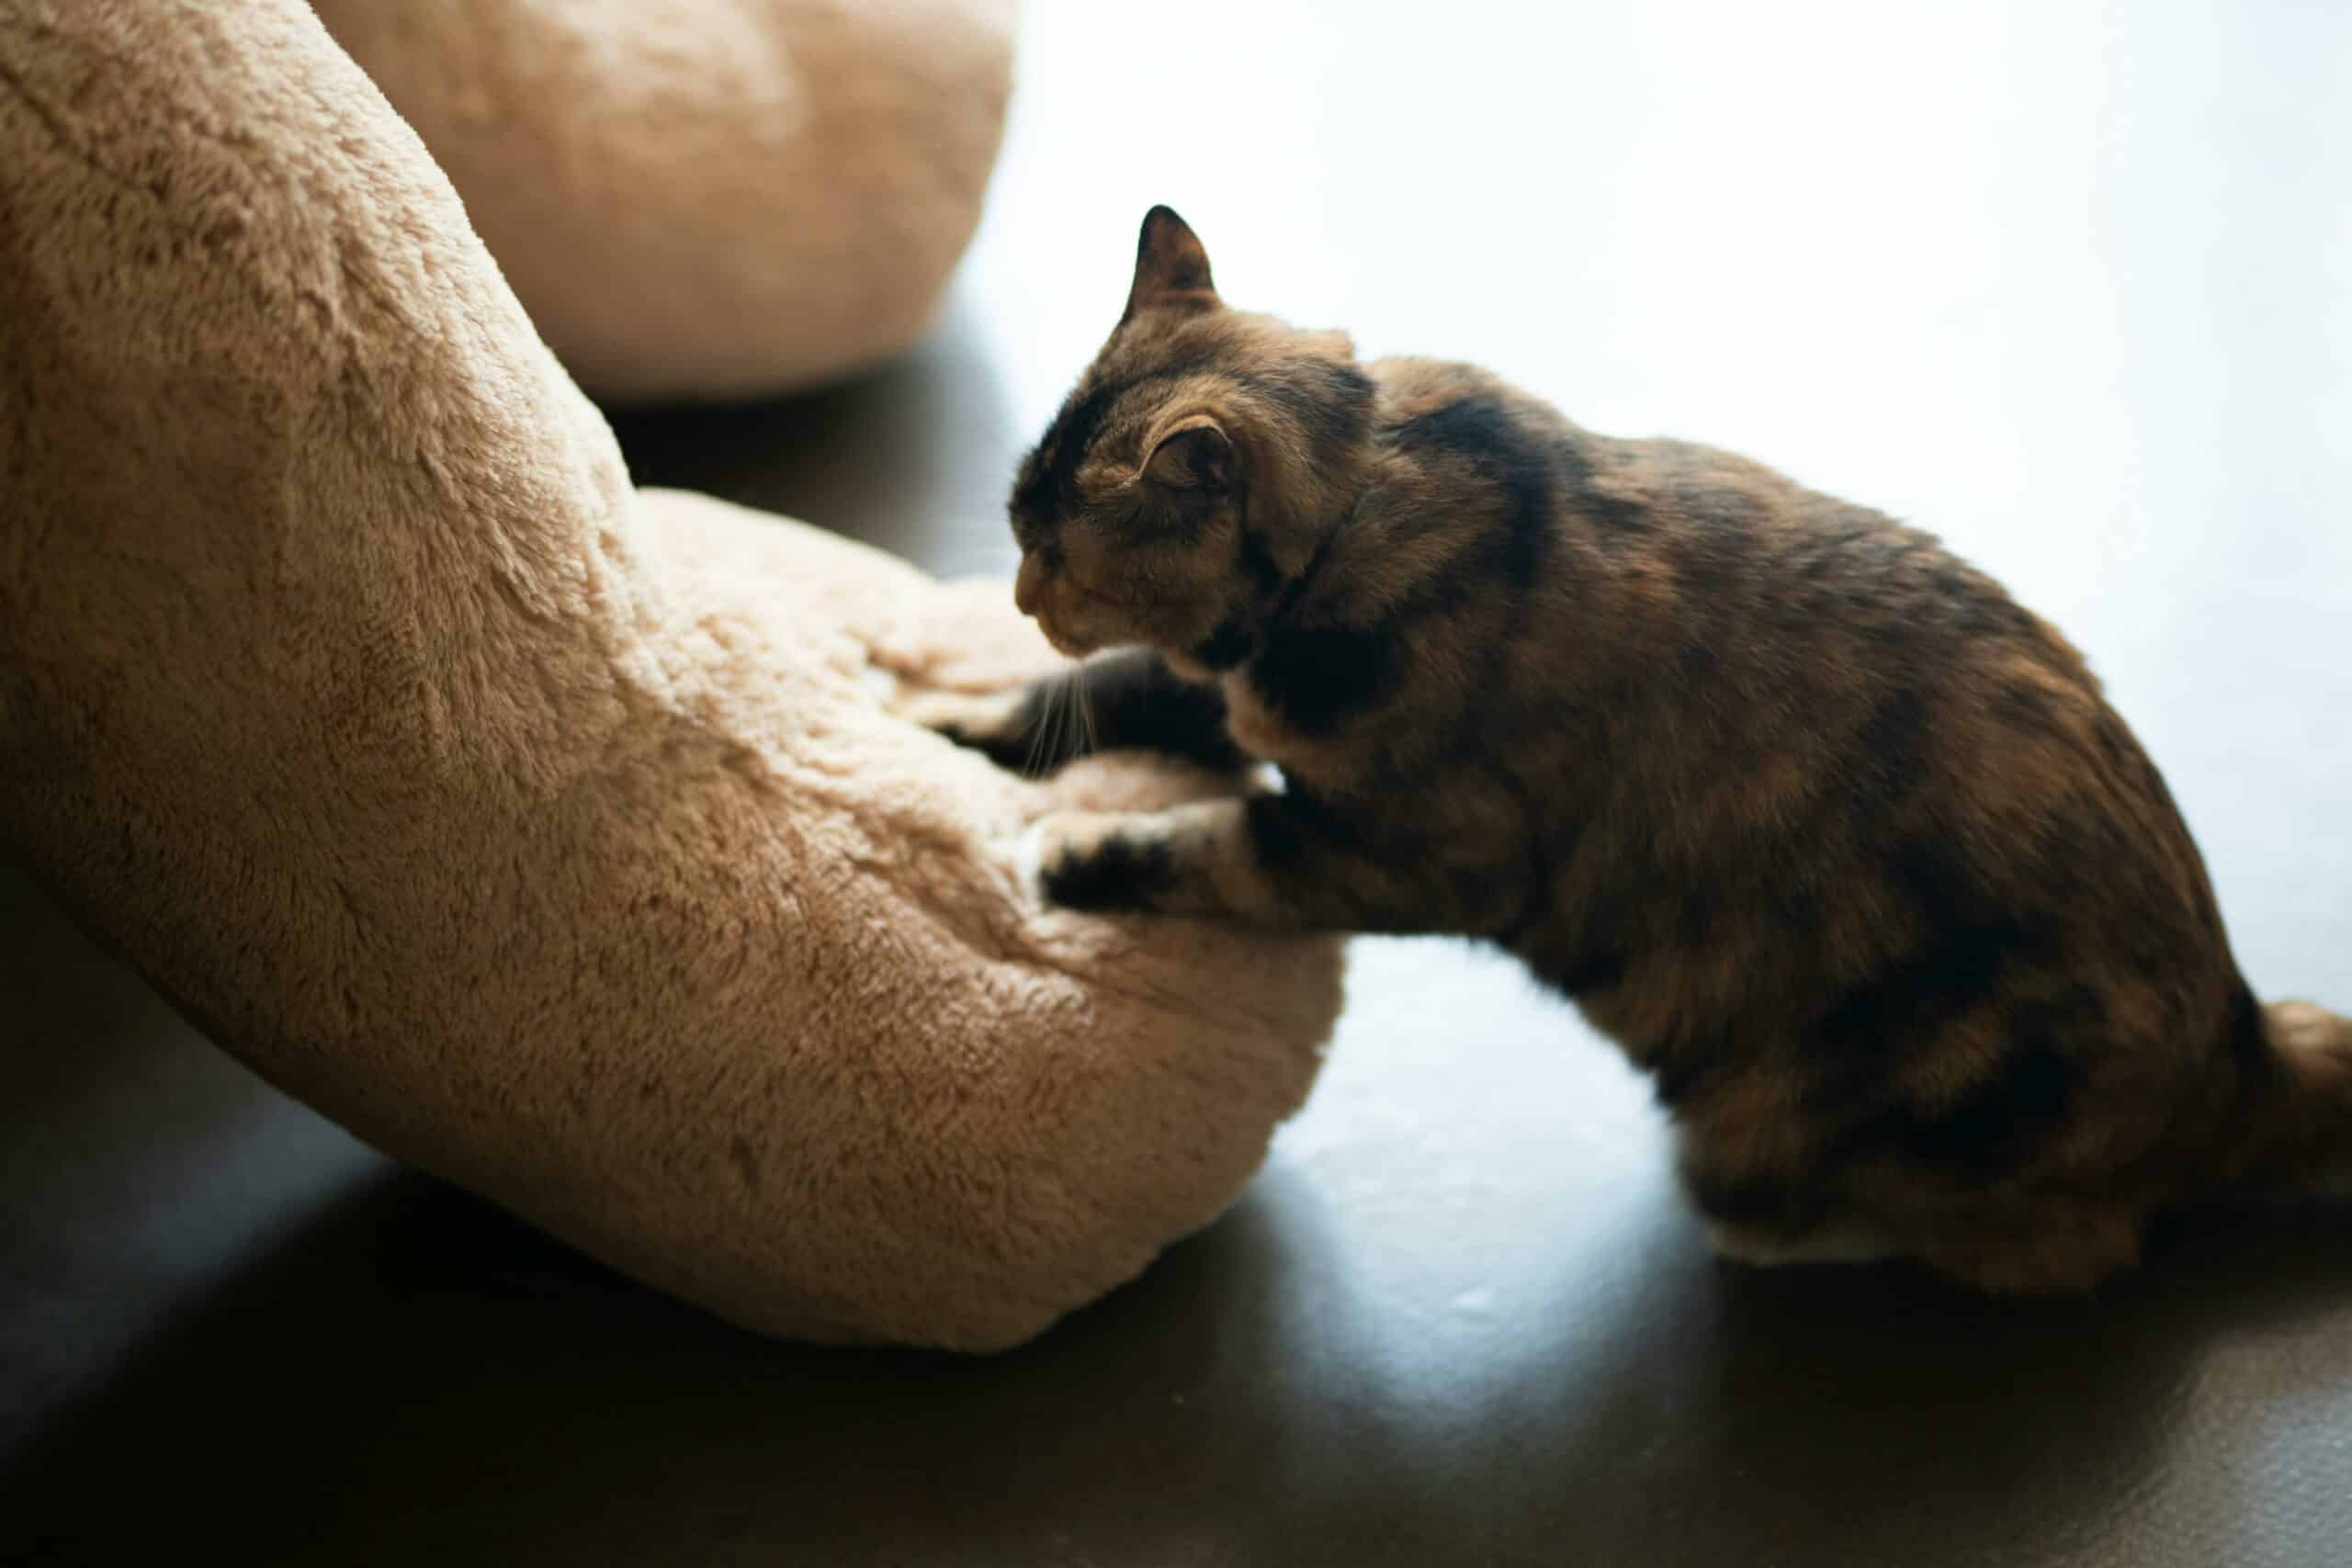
x: 1842, y: 844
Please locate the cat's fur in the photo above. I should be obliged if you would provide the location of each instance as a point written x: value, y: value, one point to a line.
x: 1840, y: 844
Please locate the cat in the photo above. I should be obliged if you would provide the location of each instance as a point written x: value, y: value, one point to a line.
x: 1840, y: 844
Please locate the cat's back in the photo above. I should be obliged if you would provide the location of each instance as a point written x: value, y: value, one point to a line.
x: 1653, y: 546
x: 1815, y: 684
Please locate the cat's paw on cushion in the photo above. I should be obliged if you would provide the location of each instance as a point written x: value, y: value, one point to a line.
x: 988, y: 722
x: 1105, y: 861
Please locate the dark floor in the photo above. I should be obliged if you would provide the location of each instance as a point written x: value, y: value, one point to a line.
x: 2075, y: 290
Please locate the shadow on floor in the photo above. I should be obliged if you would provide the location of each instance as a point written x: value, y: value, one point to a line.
x: 414, y: 1373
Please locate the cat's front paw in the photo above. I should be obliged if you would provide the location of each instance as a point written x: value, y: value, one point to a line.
x: 1105, y: 861
x: 988, y: 722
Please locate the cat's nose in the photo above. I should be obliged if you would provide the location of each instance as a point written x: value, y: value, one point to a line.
x: 1030, y: 585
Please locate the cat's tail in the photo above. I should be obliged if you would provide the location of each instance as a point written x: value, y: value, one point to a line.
x: 2298, y: 1135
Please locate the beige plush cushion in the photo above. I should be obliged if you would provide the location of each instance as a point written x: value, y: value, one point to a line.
x: 545, y: 833
x: 705, y: 198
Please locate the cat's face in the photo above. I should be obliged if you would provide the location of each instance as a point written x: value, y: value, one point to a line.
x: 1166, y: 504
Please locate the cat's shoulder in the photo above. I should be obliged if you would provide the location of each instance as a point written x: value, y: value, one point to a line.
x: 1409, y: 388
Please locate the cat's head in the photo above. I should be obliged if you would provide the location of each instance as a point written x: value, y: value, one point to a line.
x: 1192, y: 471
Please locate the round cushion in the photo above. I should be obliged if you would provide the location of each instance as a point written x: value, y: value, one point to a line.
x: 705, y: 199
x: 555, y: 837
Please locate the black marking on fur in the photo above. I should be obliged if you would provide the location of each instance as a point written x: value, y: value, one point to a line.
x: 1954, y: 966
x: 1598, y: 970
x: 1278, y: 828
x: 1123, y: 871
x: 1136, y: 702
x: 1295, y: 588
x: 1679, y: 1077
x: 1599, y: 951
x: 1550, y: 840
x: 1481, y: 431
x: 2031, y: 1098
x: 1139, y: 703
x: 1313, y: 677
x: 1891, y: 748
x: 1329, y: 401
x: 1191, y: 726
x: 1290, y: 829
x: 2028, y: 1099
x: 1300, y: 833
x: 1998, y: 1123
x: 1047, y: 485
x: 1255, y: 561
x: 2249, y: 1036
x: 1695, y: 915
x: 1227, y: 647
x: 1761, y: 1204
x: 1612, y: 514
x: 1795, y: 907
x: 2025, y: 707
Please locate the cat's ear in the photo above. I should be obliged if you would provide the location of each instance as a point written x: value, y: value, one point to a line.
x: 1172, y: 266
x: 1194, y: 457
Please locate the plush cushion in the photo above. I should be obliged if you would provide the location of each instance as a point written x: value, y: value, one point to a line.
x: 705, y: 198
x: 548, y: 834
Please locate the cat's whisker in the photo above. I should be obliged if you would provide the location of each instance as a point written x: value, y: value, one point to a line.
x: 1089, y: 737
x: 1070, y: 720
x: 1042, y: 729
x: 1038, y: 727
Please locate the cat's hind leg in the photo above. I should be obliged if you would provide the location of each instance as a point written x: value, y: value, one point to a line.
x: 1769, y: 1225
x: 2010, y: 1245
x: 2060, y: 1246
x: 2054, y: 1252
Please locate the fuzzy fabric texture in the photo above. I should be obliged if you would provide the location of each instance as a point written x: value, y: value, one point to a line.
x: 703, y: 199
x: 548, y: 834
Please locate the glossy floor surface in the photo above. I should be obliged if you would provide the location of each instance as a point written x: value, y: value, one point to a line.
x: 2071, y: 285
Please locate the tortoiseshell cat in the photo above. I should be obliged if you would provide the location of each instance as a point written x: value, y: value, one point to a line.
x: 1838, y: 843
